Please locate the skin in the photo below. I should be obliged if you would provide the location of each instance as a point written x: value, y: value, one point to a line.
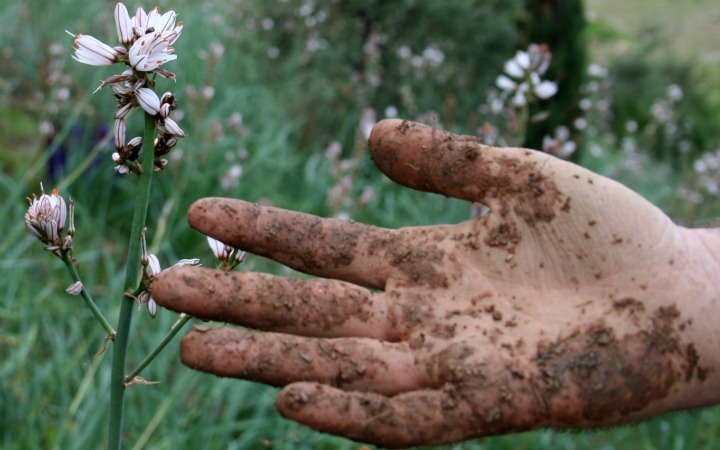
x: 573, y: 303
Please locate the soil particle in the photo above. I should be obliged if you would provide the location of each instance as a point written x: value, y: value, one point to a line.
x: 692, y: 359
x: 419, y: 265
x: 444, y: 331
x: 493, y: 414
x: 630, y: 306
x: 566, y: 206
x: 295, y: 398
x: 503, y: 235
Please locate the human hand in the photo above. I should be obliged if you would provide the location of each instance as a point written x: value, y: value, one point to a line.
x: 573, y: 303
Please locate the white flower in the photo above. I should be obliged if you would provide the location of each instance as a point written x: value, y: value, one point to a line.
x: 148, y: 100
x: 45, y: 218
x: 230, y: 256
x: 151, y: 51
x: 219, y: 249
x: 159, y: 23
x: 522, y: 76
x: 89, y: 50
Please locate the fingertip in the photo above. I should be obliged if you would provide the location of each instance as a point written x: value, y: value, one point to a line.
x: 180, y: 289
x: 381, y: 129
x: 416, y: 155
x: 164, y: 286
x: 200, y: 347
x: 202, y: 213
x: 318, y: 406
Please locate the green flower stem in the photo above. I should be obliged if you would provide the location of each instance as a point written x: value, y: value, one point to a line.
x: 117, y: 382
x: 88, y: 300
x: 156, y: 351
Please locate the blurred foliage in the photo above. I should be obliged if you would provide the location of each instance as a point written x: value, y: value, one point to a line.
x: 264, y: 88
x: 426, y: 59
x: 673, y: 108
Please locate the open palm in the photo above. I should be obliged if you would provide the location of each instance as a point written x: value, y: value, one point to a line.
x: 557, y: 308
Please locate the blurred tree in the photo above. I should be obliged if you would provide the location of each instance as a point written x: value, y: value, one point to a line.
x: 560, y: 24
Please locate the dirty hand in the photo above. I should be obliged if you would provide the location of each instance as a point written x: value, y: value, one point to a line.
x: 573, y: 303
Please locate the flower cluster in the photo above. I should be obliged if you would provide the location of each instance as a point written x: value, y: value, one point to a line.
x: 146, y: 44
x: 522, y: 76
x: 45, y: 219
x: 229, y: 256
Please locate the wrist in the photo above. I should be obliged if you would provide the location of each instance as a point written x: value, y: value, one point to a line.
x: 704, y: 243
x: 700, y: 287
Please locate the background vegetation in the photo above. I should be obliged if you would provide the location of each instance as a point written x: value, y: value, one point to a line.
x: 272, y: 97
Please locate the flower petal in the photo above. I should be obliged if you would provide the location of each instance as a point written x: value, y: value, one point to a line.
x: 148, y: 100
x: 546, y: 89
x: 505, y: 83
x: 218, y: 248
x: 513, y: 69
x: 89, y: 50
x: 153, y: 267
x: 123, y: 24
x: 173, y: 128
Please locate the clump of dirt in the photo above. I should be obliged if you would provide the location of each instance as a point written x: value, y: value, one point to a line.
x: 418, y: 264
x: 614, y: 373
x: 503, y: 235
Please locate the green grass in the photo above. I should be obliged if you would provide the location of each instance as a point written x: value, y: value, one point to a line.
x: 53, y: 390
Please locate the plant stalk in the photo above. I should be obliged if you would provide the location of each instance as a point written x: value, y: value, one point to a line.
x: 156, y: 351
x: 117, y: 382
x: 88, y: 300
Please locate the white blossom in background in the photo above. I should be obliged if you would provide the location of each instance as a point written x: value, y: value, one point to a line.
x: 707, y: 170
x: 368, y: 119
x: 145, y: 45
x: 560, y: 143
x: 522, y: 78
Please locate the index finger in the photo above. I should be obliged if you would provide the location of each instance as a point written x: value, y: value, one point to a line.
x: 330, y: 248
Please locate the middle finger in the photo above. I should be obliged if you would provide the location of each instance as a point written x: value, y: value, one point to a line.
x: 267, y: 302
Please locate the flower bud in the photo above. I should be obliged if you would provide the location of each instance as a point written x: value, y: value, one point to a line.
x: 75, y: 288
x: 152, y: 307
x: 45, y: 218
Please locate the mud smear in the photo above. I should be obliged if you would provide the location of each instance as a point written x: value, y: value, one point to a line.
x: 613, y: 373
x: 418, y: 265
